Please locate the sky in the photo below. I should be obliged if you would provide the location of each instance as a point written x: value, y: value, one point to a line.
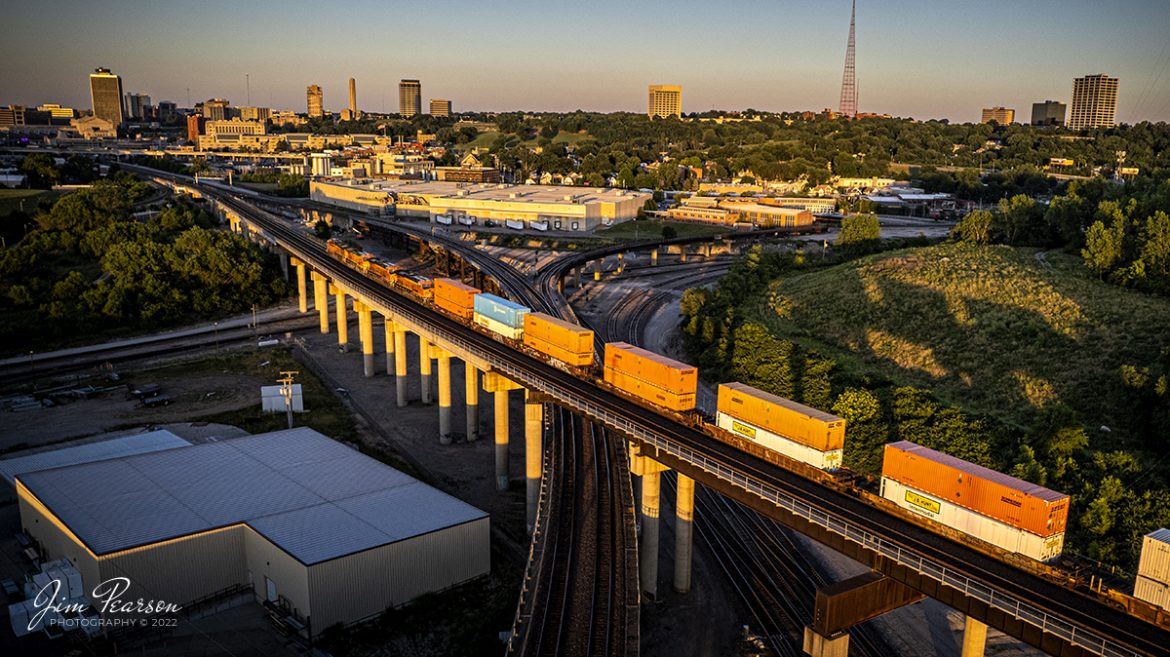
x: 915, y: 58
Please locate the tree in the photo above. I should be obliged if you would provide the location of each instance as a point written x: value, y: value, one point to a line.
x: 974, y: 228
x: 1103, y: 246
x: 323, y: 229
x: 669, y: 233
x: 865, y: 427
x: 859, y: 233
x: 40, y: 171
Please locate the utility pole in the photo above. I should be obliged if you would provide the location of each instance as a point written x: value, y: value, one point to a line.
x: 248, y: 86
x: 286, y: 391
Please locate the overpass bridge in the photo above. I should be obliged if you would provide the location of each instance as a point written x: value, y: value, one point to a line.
x: 1018, y: 601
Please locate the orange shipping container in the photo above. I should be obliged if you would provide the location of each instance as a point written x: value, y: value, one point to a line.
x: 674, y: 401
x: 783, y: 417
x: 1015, y: 502
x: 455, y: 297
x: 569, y: 338
x: 659, y: 371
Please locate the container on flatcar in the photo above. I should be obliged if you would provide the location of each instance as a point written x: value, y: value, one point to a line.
x: 1021, y: 504
x: 796, y: 431
x: 1155, y: 560
x: 1000, y: 534
x: 416, y: 284
x: 564, y: 341
x: 783, y: 417
x: 1152, y: 591
x: 655, y: 378
x: 500, y: 315
x: 455, y: 297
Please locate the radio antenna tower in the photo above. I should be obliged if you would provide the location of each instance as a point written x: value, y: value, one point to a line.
x: 849, y: 82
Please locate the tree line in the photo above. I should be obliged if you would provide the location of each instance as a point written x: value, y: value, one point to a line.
x: 89, y: 266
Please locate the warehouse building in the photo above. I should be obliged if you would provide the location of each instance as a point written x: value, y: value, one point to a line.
x: 316, y: 529
x: 540, y: 207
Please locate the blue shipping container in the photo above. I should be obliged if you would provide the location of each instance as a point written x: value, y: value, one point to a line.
x: 503, y: 311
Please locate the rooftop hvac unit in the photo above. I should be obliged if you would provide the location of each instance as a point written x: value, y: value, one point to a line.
x: 568, y: 197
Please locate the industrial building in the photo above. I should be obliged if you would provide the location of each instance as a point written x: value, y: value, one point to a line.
x: 729, y: 212
x: 541, y: 207
x: 319, y: 531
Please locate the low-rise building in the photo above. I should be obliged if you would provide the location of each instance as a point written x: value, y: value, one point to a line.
x: 317, y: 530
x: 517, y: 206
x: 732, y: 211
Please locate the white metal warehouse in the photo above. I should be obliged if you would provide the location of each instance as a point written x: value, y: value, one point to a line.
x: 329, y: 533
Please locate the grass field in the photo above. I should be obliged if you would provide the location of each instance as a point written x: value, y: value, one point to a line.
x: 994, y: 330
x: 10, y: 199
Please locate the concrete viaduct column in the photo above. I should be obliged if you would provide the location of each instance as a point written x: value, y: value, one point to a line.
x: 974, y: 638
x: 400, y: 365
x: 500, y: 385
x: 471, y: 397
x: 321, y: 299
x: 366, y: 334
x: 654, y: 257
x: 302, y: 288
x: 342, y: 318
x: 533, y: 449
x: 684, y: 514
x: 388, y: 329
x: 424, y: 364
x: 444, y: 398
x: 650, y: 472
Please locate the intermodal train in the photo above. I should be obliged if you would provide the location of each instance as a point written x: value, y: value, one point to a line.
x: 932, y: 489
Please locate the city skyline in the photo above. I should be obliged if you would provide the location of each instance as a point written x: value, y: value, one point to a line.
x: 787, y: 57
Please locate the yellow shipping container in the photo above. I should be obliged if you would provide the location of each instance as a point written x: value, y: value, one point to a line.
x: 783, y: 417
x: 455, y: 296
x: 566, y: 337
x: 659, y: 371
x: 658, y: 396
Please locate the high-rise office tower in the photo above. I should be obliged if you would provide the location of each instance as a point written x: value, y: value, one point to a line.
x: 216, y: 109
x: 1049, y: 112
x: 352, y: 97
x: 664, y: 100
x: 105, y: 91
x: 1094, y: 102
x: 848, y: 106
x: 137, y: 106
x: 1001, y: 115
x: 409, y: 97
x: 440, y: 107
x: 316, y: 101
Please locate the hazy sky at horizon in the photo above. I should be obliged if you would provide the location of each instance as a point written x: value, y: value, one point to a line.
x: 915, y: 58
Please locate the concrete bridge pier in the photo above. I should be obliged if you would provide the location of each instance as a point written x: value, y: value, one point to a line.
x: 682, y: 253
x: 342, y: 317
x: 974, y: 638
x: 444, y: 397
x: 653, y: 257
x: 366, y: 335
x: 284, y: 260
x: 651, y: 473
x: 533, y: 450
x: 684, y: 515
x: 499, y: 385
x: 321, y: 299
x: 471, y: 399
x: 400, y: 365
x: 846, y: 603
x: 302, y: 287
x: 424, y: 364
x: 388, y: 329
x: 597, y: 270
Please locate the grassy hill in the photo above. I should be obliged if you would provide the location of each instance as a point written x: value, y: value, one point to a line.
x: 990, y: 329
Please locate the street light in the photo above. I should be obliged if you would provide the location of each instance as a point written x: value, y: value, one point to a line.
x: 216, y: 325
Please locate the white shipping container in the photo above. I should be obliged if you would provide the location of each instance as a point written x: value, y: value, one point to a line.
x: 992, y: 531
x: 1156, y: 593
x: 1155, y: 561
x: 514, y: 225
x: 829, y: 460
x: 499, y: 327
x: 443, y: 219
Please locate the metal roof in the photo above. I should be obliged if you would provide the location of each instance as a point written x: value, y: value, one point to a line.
x: 1160, y: 535
x: 313, y: 497
x: 140, y: 443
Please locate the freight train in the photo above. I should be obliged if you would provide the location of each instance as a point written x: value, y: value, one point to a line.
x: 942, y: 493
